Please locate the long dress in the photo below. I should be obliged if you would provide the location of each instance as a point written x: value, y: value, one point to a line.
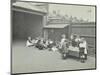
x: 64, y: 46
x: 83, y: 45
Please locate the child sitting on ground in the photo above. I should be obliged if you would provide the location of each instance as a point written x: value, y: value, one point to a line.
x: 29, y: 42
x: 50, y: 44
x: 39, y: 44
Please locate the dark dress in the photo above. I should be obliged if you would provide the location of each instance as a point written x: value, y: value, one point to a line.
x: 39, y: 45
x: 74, y: 43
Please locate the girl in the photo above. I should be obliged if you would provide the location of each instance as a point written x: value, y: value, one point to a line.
x: 64, y: 46
x: 50, y: 44
x: 29, y: 42
x: 83, y: 49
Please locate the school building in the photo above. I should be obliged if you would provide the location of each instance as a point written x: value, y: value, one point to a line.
x: 28, y: 19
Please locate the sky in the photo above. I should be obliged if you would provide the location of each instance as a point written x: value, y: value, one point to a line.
x: 84, y: 12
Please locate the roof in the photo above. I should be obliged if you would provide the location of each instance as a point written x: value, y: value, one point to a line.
x: 56, y: 26
x: 31, y: 6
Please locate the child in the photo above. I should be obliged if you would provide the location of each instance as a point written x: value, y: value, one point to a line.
x: 39, y: 44
x: 29, y: 42
x: 54, y: 48
x: 73, y: 40
x: 45, y: 44
x: 83, y: 49
x: 64, y: 46
x: 63, y: 39
x: 77, y: 39
x: 72, y: 36
x: 50, y: 44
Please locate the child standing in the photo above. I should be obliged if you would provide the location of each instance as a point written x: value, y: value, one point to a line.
x: 64, y: 46
x: 83, y: 49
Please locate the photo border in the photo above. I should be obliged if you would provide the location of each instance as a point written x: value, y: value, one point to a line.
x: 58, y: 70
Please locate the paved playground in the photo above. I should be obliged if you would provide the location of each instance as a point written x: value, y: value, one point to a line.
x: 30, y: 59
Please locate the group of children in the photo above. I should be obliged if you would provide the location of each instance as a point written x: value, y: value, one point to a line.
x: 62, y: 45
x: 75, y: 43
x: 41, y: 43
x: 81, y: 44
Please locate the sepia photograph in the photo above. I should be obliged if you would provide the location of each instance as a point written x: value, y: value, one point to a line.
x: 52, y: 37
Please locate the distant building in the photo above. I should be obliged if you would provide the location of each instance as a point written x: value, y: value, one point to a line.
x: 54, y: 31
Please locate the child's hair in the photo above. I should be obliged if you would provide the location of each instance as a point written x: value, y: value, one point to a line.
x: 82, y: 39
x: 75, y: 35
x: 29, y: 38
x: 63, y: 36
